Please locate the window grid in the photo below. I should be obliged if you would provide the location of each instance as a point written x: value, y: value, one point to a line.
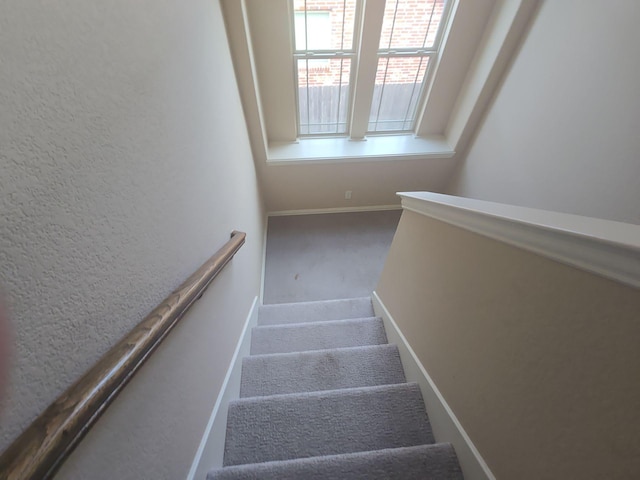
x: 333, y: 109
x: 421, y: 51
x: 410, y: 98
x: 404, y: 117
x: 344, y: 56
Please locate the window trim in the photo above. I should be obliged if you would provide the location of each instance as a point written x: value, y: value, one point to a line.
x: 319, y: 55
x: 499, y: 32
x: 351, y: 53
x: 430, y: 52
x: 365, y: 54
x: 431, y: 56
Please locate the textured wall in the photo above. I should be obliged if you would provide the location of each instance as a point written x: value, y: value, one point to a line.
x: 562, y: 131
x: 124, y: 164
x: 538, y: 360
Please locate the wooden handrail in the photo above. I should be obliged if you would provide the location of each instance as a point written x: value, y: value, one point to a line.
x: 42, y: 448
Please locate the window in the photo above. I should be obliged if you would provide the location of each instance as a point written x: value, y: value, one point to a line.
x: 323, y: 54
x: 354, y: 58
x: 318, y: 25
x: 361, y: 68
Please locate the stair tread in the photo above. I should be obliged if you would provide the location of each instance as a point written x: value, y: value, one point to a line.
x: 317, y: 335
x: 328, y: 369
x: 283, y: 313
x: 433, y: 462
x: 284, y: 427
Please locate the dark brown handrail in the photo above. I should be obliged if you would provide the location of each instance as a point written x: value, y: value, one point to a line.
x: 50, y: 439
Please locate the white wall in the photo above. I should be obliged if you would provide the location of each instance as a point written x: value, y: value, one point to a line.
x: 124, y: 164
x: 562, y: 132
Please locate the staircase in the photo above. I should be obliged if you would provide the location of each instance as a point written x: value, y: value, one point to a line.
x: 323, y: 395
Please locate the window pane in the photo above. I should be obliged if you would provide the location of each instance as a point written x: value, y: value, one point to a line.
x: 315, y: 29
x: 328, y: 26
x: 397, y: 91
x: 323, y: 95
x: 411, y: 23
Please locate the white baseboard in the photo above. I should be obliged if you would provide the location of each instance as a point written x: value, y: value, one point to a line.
x: 264, y: 257
x: 314, y: 211
x: 211, y: 449
x: 445, y: 425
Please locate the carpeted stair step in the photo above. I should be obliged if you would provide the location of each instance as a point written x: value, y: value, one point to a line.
x: 424, y: 462
x: 284, y: 427
x: 315, y: 311
x: 332, y: 369
x: 298, y: 337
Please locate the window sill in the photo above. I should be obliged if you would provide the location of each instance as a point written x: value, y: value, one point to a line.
x: 371, y: 149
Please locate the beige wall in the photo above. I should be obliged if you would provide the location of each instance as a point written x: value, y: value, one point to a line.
x: 539, y: 361
x: 293, y: 187
x: 124, y: 164
x: 561, y: 133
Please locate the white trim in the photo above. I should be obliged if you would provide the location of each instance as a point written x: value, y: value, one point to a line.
x: 435, y: 62
x: 374, y: 148
x: 366, y: 66
x: 499, y: 43
x: 211, y: 449
x: 315, y: 211
x: 604, y: 247
x: 264, y: 257
x: 239, y: 37
x: 508, y: 23
x: 446, y: 426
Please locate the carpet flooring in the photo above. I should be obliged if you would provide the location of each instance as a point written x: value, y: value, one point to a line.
x: 328, y: 399
x: 427, y: 462
x: 317, y: 370
x: 325, y: 423
x: 326, y: 256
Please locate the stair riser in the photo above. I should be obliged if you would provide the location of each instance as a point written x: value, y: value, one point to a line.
x: 315, y: 311
x: 317, y: 336
x: 433, y: 462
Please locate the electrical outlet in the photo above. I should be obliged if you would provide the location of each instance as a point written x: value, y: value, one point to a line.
x: 347, y: 195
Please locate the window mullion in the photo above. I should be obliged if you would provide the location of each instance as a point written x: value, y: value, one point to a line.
x: 367, y: 66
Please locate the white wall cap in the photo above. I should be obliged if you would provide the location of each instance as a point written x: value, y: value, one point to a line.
x: 605, y: 247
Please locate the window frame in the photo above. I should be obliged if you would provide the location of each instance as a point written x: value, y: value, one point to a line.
x: 482, y: 39
x: 406, y: 53
x: 365, y: 52
x: 319, y: 54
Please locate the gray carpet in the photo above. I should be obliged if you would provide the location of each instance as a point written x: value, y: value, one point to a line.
x: 424, y: 462
x: 328, y: 399
x: 315, y: 311
x: 298, y: 337
x: 320, y: 370
x: 326, y: 256
x: 325, y: 423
